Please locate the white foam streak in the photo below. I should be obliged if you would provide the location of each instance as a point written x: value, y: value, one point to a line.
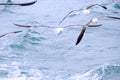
x: 14, y: 72
x: 14, y: 78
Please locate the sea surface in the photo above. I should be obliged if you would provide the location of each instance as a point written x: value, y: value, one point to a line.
x: 40, y: 54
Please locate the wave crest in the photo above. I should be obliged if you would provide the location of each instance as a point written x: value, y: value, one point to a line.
x: 105, y: 72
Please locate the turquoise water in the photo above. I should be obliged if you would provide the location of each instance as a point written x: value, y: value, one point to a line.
x: 40, y: 54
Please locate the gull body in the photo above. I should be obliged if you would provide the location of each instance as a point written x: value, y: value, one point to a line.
x: 59, y: 30
x: 84, y: 11
x: 94, y: 20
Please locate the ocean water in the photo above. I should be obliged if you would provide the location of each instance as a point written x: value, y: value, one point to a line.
x: 40, y: 54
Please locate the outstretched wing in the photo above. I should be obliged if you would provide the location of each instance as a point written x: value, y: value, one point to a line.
x: 97, y: 25
x: 66, y: 16
x: 20, y: 4
x: 113, y: 17
x: 104, y: 7
x: 81, y: 35
x: 9, y: 33
x: 29, y: 26
x: 84, y: 29
x: 27, y: 4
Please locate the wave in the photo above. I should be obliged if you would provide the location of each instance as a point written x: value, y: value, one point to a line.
x: 18, y: 71
x: 117, y: 5
x: 104, y: 72
x: 21, y: 39
x: 22, y: 71
x: 18, y: 45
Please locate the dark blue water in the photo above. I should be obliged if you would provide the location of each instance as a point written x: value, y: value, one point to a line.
x: 40, y: 54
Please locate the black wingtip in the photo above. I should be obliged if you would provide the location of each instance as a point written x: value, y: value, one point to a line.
x: 27, y: 26
x: 29, y: 3
x: 98, y: 25
x: 113, y: 17
x: 104, y: 7
x: 81, y: 35
x: 76, y: 43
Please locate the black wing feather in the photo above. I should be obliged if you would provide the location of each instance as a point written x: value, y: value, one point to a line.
x: 20, y: 4
x: 81, y: 35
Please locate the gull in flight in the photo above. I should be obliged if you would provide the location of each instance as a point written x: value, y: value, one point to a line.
x: 85, y: 11
x: 93, y: 20
x: 59, y: 30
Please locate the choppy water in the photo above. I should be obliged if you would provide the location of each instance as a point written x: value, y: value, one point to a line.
x: 39, y: 54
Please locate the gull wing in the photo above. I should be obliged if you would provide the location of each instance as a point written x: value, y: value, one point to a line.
x: 104, y: 7
x: 81, y: 35
x: 67, y: 16
x: 9, y: 33
x: 20, y: 4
